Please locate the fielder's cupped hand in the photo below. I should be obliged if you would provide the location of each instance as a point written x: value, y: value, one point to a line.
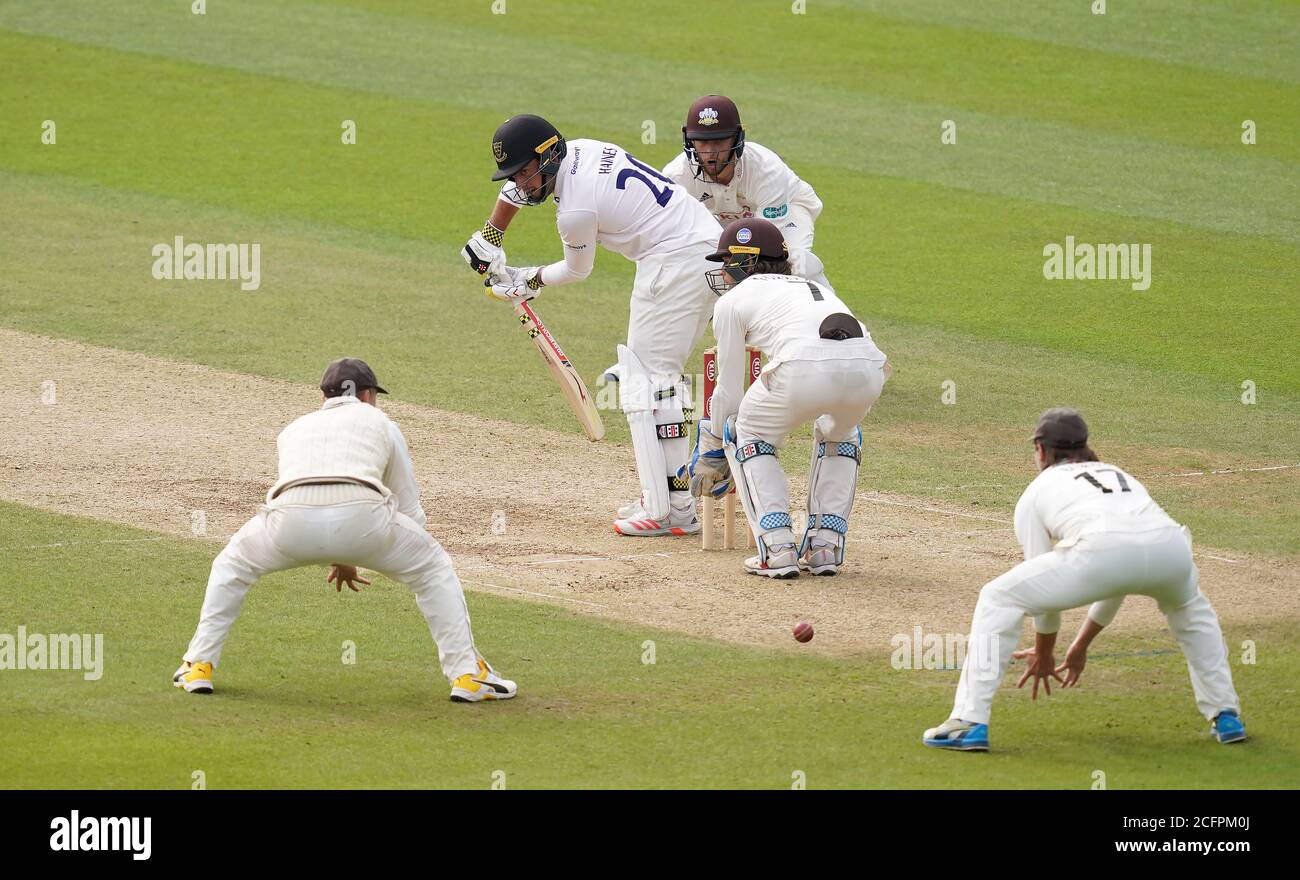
x: 1040, y: 669
x: 1075, y: 659
x: 709, y: 469
x: 345, y: 574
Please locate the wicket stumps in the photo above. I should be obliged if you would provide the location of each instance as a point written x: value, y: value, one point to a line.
x: 709, y: 504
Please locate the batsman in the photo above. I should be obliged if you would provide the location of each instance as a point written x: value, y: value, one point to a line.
x: 605, y: 196
x: 822, y: 366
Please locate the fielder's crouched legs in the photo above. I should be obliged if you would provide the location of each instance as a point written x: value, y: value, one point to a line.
x: 366, y: 531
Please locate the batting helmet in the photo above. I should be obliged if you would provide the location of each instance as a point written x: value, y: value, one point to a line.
x: 518, y: 141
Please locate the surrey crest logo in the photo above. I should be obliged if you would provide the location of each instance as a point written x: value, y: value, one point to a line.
x: 708, y: 116
x: 498, y: 151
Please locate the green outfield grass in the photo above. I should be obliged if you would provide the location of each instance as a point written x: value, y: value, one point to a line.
x: 289, y: 713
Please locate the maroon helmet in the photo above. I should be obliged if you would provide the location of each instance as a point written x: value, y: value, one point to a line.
x: 712, y: 118
x: 743, y: 243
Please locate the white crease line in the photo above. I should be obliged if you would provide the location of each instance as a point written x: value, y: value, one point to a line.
x: 76, y: 543
x: 607, y: 558
x: 1276, y: 467
x: 531, y: 593
x: 1005, y: 522
x: 1219, y: 558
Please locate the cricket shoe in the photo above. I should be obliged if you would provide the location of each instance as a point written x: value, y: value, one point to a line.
x: 783, y: 565
x: 820, y: 560
x: 963, y: 736
x: 681, y: 520
x: 1227, y: 727
x: 196, y: 678
x: 476, y: 687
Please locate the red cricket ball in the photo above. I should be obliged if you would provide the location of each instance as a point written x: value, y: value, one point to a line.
x: 803, y: 631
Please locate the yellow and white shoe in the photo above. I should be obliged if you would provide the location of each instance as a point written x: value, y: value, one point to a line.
x: 483, y: 685
x: 196, y: 678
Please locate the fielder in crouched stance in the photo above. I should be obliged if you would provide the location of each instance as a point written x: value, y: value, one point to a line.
x: 346, y: 496
x: 821, y: 366
x: 1091, y: 534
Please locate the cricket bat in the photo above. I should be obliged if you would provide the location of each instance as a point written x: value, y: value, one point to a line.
x: 571, y: 384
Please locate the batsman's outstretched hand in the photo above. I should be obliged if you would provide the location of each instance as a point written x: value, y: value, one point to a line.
x: 709, y: 469
x: 1041, y: 669
x: 345, y: 574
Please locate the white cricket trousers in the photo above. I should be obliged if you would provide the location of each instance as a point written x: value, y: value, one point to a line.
x: 1097, y: 566
x: 835, y: 394
x: 672, y: 305
x: 670, y: 310
x: 354, y: 526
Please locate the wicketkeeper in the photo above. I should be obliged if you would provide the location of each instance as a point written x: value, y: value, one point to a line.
x: 822, y: 366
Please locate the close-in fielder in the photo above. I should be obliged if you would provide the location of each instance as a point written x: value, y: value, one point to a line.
x: 822, y: 366
x: 736, y: 179
x: 1091, y: 534
x: 605, y: 196
x: 346, y: 496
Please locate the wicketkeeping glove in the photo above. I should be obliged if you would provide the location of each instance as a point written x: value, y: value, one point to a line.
x: 709, y: 469
x: 483, y: 250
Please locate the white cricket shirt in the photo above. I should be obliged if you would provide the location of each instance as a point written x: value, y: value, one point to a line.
x: 349, y: 439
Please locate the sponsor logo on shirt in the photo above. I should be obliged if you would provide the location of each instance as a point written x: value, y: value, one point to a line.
x: 708, y: 116
x: 704, y: 197
x: 773, y: 213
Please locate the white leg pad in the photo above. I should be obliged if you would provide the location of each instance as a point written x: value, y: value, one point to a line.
x: 655, y: 409
x: 832, y: 480
x: 762, y: 488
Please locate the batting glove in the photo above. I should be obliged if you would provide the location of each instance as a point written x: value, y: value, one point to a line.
x: 709, y: 469
x: 483, y: 250
x: 514, y: 285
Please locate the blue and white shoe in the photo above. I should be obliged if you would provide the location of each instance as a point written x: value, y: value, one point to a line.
x: 964, y: 736
x: 1227, y: 727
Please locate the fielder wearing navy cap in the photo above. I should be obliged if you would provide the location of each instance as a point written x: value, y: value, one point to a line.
x: 347, y: 376
x: 1062, y: 428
